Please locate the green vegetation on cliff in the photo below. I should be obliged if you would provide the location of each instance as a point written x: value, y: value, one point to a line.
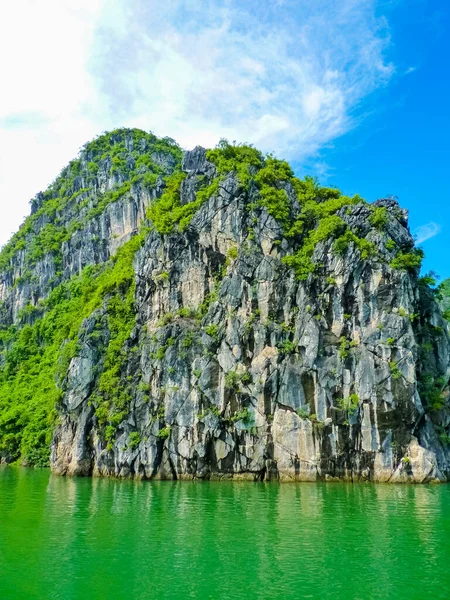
x: 38, y: 342
x: 122, y: 159
x: 36, y: 349
x: 312, y: 220
x: 443, y: 292
x: 35, y: 358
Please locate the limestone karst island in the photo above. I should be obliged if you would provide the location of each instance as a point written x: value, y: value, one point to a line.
x: 204, y: 314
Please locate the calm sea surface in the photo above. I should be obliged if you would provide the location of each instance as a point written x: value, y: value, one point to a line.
x: 95, y: 539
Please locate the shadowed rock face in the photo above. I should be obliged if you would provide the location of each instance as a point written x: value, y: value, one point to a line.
x: 236, y: 369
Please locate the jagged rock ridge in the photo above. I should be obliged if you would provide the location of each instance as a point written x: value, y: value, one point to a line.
x: 248, y: 325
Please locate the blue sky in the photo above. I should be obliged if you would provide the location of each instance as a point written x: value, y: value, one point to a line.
x: 402, y: 146
x: 354, y: 91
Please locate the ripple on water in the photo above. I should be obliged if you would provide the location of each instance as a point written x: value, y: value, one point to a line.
x: 94, y: 539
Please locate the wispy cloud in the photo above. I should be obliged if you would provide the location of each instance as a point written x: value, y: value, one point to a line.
x: 288, y: 76
x: 426, y: 232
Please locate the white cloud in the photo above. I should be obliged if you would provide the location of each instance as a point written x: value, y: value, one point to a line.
x: 286, y: 79
x: 46, y: 96
x: 287, y: 76
x: 426, y: 232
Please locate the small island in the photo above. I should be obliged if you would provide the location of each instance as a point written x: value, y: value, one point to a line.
x: 208, y: 315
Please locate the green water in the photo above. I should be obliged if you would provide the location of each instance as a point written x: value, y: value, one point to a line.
x: 100, y: 539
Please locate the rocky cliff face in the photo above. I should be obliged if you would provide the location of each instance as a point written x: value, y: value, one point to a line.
x: 248, y: 325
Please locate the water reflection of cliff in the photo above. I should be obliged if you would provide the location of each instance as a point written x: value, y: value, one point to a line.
x: 96, y: 538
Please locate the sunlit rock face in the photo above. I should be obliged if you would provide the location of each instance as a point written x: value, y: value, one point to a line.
x: 236, y: 367
x: 257, y: 388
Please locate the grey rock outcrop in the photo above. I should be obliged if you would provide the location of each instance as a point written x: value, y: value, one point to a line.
x: 236, y: 369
